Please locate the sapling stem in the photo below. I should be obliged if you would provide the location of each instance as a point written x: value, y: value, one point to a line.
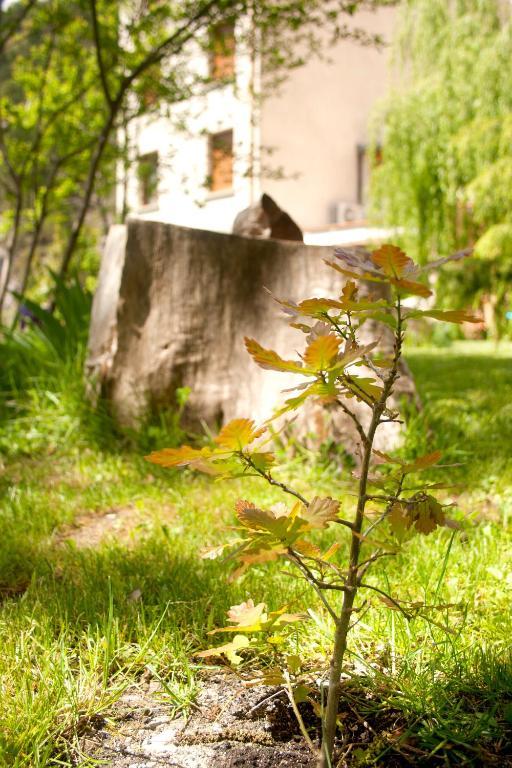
x: 265, y: 535
x: 351, y: 582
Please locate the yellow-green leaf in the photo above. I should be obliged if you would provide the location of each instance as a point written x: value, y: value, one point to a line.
x: 212, y: 553
x: 307, y: 548
x: 262, y: 461
x: 257, y: 519
x: 363, y: 388
x: 399, y: 519
x: 322, y: 352
x: 229, y: 650
x: 453, y: 316
x: 320, y: 512
x: 317, y: 306
x: 238, y: 433
x: 179, y: 457
x: 267, y: 358
x: 392, y: 260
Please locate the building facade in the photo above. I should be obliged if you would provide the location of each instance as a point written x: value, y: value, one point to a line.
x: 304, y: 143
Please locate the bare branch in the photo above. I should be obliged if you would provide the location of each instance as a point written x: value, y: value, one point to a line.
x: 377, y: 497
x: 351, y: 584
x: 98, y: 51
x: 362, y: 612
x: 15, y: 24
x: 365, y: 564
x: 376, y: 523
x: 388, y: 597
x: 268, y: 477
x: 310, y: 578
x: 352, y: 415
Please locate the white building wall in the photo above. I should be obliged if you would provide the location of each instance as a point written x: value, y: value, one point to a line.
x: 183, y: 196
x: 310, y: 129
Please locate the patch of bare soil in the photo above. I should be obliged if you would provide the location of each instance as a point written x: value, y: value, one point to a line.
x: 230, y: 727
x: 12, y: 590
x: 93, y: 528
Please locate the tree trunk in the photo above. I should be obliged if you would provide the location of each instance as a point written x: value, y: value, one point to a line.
x: 88, y: 192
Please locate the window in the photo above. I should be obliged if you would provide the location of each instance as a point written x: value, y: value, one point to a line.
x: 222, y: 51
x: 147, y: 173
x: 150, y: 85
x: 221, y: 161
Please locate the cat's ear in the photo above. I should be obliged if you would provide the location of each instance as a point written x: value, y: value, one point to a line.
x: 270, y: 207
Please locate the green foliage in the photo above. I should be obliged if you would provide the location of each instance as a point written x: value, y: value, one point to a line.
x: 51, y: 113
x: 48, y: 340
x: 64, y: 119
x: 446, y: 169
x: 332, y: 363
x: 466, y: 391
x: 74, y: 641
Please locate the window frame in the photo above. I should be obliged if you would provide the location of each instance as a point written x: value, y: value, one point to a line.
x: 213, y: 187
x: 146, y: 199
x: 222, y: 53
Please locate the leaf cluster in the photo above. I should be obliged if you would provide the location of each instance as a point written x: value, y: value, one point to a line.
x: 337, y: 368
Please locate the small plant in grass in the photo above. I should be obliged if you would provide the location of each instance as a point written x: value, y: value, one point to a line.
x: 338, y: 370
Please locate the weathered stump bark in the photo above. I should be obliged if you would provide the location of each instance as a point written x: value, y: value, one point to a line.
x: 172, y: 308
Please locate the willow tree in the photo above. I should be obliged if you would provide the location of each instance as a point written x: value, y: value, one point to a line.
x: 446, y: 140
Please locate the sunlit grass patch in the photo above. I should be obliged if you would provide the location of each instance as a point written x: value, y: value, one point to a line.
x: 81, y: 623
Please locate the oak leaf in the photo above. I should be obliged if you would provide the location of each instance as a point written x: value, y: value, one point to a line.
x: 180, y: 457
x: 246, y: 614
x: 392, y: 260
x: 229, y: 650
x: 453, y: 316
x: 238, y: 433
x: 417, y: 465
x: 262, y: 460
x: 411, y: 287
x: 320, y: 512
x: 267, y: 358
x: 322, y: 352
x: 428, y: 514
x: 317, y: 306
x: 399, y: 519
x: 262, y: 553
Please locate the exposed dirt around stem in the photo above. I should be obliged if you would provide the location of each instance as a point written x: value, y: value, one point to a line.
x: 231, y: 726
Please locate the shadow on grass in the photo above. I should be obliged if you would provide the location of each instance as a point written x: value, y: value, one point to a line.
x: 85, y: 589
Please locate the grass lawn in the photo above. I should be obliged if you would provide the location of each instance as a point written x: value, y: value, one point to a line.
x: 74, y: 631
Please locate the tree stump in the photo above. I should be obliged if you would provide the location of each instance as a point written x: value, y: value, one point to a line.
x: 172, y: 308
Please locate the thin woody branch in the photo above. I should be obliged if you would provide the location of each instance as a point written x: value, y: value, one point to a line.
x: 353, y: 417
x: 388, y: 597
x: 98, y: 51
x: 312, y: 581
x: 352, y: 586
x: 268, y: 477
x: 365, y: 564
